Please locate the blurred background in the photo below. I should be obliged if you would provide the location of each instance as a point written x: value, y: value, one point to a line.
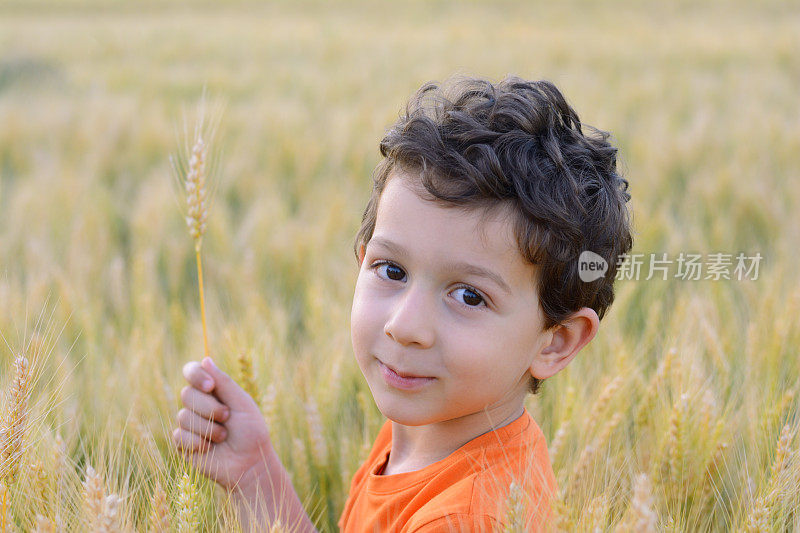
x: 97, y: 273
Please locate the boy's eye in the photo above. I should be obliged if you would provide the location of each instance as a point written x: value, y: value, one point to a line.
x: 394, y: 272
x: 471, y: 298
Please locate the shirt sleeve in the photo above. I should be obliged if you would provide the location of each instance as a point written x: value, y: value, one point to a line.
x: 459, y: 522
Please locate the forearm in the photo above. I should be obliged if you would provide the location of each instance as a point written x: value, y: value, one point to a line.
x: 264, y: 495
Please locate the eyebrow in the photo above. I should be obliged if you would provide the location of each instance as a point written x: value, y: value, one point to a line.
x: 467, y: 268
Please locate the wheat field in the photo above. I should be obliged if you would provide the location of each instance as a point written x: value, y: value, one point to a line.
x: 681, y: 415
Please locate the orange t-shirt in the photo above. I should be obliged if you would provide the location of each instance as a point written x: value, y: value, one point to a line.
x: 465, y: 491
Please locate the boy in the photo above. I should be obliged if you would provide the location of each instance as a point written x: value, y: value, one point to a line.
x: 468, y: 296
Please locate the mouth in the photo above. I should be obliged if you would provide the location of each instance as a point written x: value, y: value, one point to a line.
x: 403, y: 380
x: 404, y: 374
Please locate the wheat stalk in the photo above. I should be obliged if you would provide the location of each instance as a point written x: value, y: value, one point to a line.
x: 13, y: 425
x: 780, y: 451
x: 713, y: 466
x: 661, y: 375
x: 40, y: 483
x: 159, y: 513
x: 44, y: 525
x: 318, y: 447
x: 269, y: 407
x: 300, y: 466
x: 779, y: 465
x: 93, y: 497
x: 59, y: 456
x: 602, y: 401
x: 247, y: 376
x: 563, y: 520
x: 558, y: 440
x: 673, y: 462
x: 758, y: 518
x: 194, y: 178
x: 109, y: 520
x: 590, y: 451
x: 196, y: 199
x: 188, y: 518
x: 596, y: 513
x: 515, y: 509
x: 102, y: 511
x: 641, y: 518
x: 12, y: 432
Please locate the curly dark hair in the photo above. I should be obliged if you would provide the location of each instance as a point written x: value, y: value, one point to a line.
x: 517, y: 143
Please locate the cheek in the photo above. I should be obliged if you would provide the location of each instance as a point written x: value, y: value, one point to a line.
x: 363, y: 318
x: 477, y: 361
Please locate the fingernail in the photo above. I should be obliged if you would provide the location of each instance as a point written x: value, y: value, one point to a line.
x: 208, y: 385
x: 225, y: 414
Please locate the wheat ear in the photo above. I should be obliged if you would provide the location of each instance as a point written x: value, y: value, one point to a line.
x: 94, y: 495
x: 13, y: 427
x: 247, y: 377
x: 197, y: 203
x: 515, y: 509
x: 188, y: 506
x: 641, y: 518
x: 159, y: 513
x: 12, y: 431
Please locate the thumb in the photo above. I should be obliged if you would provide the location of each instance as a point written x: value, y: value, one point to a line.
x: 225, y: 387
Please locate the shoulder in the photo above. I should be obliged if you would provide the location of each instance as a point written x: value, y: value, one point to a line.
x: 478, y: 489
x: 457, y: 522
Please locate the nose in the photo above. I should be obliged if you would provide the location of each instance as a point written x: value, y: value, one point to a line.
x: 411, y: 319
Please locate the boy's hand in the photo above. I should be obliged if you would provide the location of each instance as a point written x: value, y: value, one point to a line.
x: 221, y: 430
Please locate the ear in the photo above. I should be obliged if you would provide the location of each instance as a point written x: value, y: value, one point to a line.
x: 566, y: 341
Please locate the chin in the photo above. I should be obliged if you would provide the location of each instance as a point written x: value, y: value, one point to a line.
x: 406, y: 415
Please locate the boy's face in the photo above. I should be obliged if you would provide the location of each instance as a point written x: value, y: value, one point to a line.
x: 477, y: 345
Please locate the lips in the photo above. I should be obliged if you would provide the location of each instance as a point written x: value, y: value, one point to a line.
x: 403, y: 374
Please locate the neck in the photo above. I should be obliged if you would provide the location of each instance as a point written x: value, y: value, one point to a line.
x: 415, y: 447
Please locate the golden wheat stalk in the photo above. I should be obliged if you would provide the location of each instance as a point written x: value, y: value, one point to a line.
x: 269, y: 406
x: 109, y: 520
x: 159, y: 513
x: 671, y: 466
x: 194, y: 177
x: 758, y: 517
x: 14, y: 422
x: 591, y: 450
x: 302, y: 474
x: 515, y: 509
x: 40, y: 484
x: 319, y: 449
x: 779, y: 464
x: 247, y: 377
x: 94, y: 495
x: 642, y: 517
x: 196, y: 198
x: 44, y: 525
x: 602, y: 402
x: 596, y: 512
x: 563, y: 520
x: 188, y: 518
x: 12, y: 431
x: 558, y: 441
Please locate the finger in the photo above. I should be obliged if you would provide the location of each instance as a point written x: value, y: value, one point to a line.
x: 204, y: 404
x: 188, y: 442
x: 225, y: 388
x: 198, y: 425
x: 197, y: 377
